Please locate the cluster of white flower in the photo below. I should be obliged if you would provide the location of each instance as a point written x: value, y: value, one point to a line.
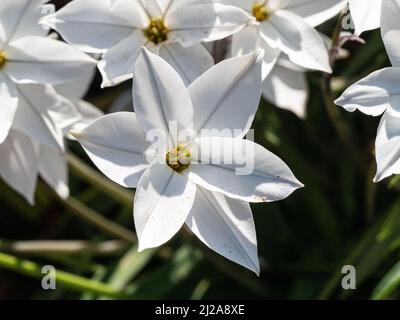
x: 379, y: 93
x: 160, y: 44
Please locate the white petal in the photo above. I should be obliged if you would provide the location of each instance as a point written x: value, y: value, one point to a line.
x: 190, y: 63
x: 8, y: 105
x: 53, y: 169
x: 42, y: 60
x: 373, y: 95
x: 247, y: 41
x: 19, y: 164
x: 117, y: 146
x: 233, y: 88
x: 366, y: 14
x: 226, y: 226
x: 287, y: 89
x: 387, y: 147
x: 20, y: 18
x: 295, y: 37
x: 118, y: 63
x: 390, y: 28
x: 33, y: 115
x: 76, y: 89
x: 87, y: 113
x: 160, y: 96
x: 241, y: 170
x: 244, y: 4
x: 90, y: 25
x: 162, y: 203
x: 316, y: 12
x: 197, y: 22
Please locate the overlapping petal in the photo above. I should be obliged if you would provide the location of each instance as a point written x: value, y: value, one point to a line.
x: 240, y: 169
x: 117, y: 146
x: 232, y: 87
x: 226, y: 226
x: 163, y: 201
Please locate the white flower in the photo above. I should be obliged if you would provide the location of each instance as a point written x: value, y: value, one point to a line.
x: 35, y: 144
x: 287, y: 26
x: 172, y: 28
x: 366, y: 14
x: 26, y: 57
x: 175, y: 189
x: 379, y: 93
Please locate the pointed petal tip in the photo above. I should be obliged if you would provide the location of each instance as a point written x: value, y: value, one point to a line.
x: 76, y: 134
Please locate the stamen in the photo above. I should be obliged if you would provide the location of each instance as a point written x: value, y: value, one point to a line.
x: 260, y: 12
x: 156, y: 32
x: 3, y: 59
x: 178, y: 159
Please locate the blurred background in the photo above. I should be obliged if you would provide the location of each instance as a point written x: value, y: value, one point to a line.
x: 340, y: 218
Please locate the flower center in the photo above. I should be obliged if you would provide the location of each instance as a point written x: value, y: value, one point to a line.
x: 156, y: 32
x: 3, y: 59
x: 178, y: 158
x: 260, y: 12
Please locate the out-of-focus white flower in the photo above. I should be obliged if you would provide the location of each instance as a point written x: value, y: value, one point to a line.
x: 287, y: 26
x: 26, y: 57
x: 172, y: 28
x: 366, y: 14
x: 181, y: 184
x: 379, y: 93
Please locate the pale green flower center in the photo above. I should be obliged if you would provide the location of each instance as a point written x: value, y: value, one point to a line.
x: 178, y: 158
x: 156, y: 32
x: 3, y: 59
x: 260, y: 12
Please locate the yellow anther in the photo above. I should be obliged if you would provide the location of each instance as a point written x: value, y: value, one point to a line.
x: 178, y: 158
x: 3, y: 59
x: 156, y: 32
x: 260, y: 12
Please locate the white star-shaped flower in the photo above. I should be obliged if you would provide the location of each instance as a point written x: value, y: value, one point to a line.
x: 287, y: 26
x: 379, y: 93
x: 182, y: 185
x: 366, y: 15
x: 27, y: 57
x: 35, y: 144
x: 173, y: 28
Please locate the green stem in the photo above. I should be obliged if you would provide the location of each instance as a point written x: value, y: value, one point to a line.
x: 64, y: 247
x: 66, y: 279
x: 94, y: 218
x: 95, y: 179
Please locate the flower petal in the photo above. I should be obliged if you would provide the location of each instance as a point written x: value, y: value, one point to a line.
x: 295, y: 37
x: 287, y: 89
x: 387, y: 147
x: 19, y: 18
x: 390, y: 28
x: 42, y: 60
x: 33, y: 115
x: 203, y: 22
x: 190, y: 63
x: 76, y: 89
x: 240, y: 169
x: 232, y: 87
x: 316, y: 12
x: 19, y: 164
x: 162, y: 203
x: 373, y: 95
x: 117, y: 146
x: 248, y: 40
x: 160, y: 97
x: 8, y: 105
x: 118, y: 63
x: 53, y: 169
x: 366, y: 14
x: 226, y: 226
x: 90, y: 25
